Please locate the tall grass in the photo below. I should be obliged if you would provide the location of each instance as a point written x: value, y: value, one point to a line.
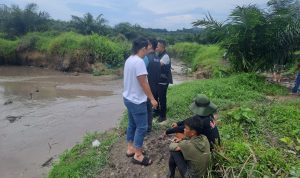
x: 97, y: 48
x: 208, y: 57
x: 7, y: 50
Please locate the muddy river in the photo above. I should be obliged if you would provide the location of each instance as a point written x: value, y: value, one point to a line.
x: 44, y: 112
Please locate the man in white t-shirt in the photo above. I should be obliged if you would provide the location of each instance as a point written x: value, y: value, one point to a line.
x: 135, y: 94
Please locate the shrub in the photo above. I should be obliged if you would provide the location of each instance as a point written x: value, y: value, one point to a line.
x: 8, y: 50
x: 207, y: 57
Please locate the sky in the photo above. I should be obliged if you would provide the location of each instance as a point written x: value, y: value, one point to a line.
x: 164, y: 14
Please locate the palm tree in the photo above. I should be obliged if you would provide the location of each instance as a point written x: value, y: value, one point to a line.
x: 88, y: 25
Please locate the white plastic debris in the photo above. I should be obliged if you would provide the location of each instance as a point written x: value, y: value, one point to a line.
x: 96, y: 143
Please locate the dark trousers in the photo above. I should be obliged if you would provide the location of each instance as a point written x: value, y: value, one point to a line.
x: 150, y: 117
x: 154, y: 90
x: 177, y: 160
x: 162, y: 97
x: 297, y: 84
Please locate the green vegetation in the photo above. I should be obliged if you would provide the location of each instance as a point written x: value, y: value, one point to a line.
x: 79, y: 48
x: 256, y: 39
x: 252, y: 127
x: 207, y: 57
x: 260, y: 137
x: 83, y: 160
x: 7, y: 50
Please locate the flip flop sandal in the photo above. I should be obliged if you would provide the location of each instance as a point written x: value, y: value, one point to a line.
x: 132, y: 154
x: 145, y: 162
x: 129, y: 155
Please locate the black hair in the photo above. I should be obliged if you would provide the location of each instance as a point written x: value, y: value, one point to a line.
x: 138, y: 44
x: 163, y: 42
x: 153, y: 42
x: 195, y: 124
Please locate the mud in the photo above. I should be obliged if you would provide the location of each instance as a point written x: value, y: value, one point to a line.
x: 121, y: 166
x: 50, y: 112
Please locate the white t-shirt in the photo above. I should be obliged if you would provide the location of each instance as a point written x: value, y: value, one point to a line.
x: 165, y: 59
x: 134, y: 67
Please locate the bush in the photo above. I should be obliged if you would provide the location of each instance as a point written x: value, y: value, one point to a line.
x: 207, y: 57
x: 184, y: 51
x: 8, y: 51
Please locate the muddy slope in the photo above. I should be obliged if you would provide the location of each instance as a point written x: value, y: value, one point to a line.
x: 120, y: 165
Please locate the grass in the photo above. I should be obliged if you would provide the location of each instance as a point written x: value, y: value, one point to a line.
x: 8, y: 48
x: 83, y: 160
x: 251, y: 128
x: 79, y: 48
x: 207, y: 57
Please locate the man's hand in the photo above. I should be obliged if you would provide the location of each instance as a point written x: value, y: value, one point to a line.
x: 154, y: 103
x: 174, y: 125
x: 176, y: 140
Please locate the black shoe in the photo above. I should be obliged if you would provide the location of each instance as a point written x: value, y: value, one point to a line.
x: 161, y: 119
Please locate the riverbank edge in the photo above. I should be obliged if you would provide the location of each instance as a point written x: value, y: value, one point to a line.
x: 118, y: 133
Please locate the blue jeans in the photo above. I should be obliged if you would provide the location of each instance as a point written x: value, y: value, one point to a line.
x: 137, y: 123
x: 297, y: 84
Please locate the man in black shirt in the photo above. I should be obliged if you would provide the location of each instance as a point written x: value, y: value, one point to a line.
x: 165, y: 78
x: 153, y: 68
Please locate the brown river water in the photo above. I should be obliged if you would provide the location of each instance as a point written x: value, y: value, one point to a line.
x: 52, y: 112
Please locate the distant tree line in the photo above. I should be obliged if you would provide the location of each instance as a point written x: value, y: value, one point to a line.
x: 15, y: 21
x: 257, y: 39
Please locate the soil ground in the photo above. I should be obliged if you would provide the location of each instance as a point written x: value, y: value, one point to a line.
x: 121, y: 166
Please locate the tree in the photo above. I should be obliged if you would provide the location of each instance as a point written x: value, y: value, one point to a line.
x: 214, y: 31
x: 87, y: 24
x: 16, y: 22
x: 257, y: 40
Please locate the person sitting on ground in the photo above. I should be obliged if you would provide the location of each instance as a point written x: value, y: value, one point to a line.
x: 191, y: 156
x: 204, y: 110
x: 297, y: 81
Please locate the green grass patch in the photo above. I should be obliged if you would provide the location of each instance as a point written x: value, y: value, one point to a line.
x: 8, y: 48
x: 226, y: 92
x: 83, y: 160
x: 207, y: 57
x: 249, y: 123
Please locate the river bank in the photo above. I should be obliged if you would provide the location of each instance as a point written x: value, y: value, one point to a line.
x: 53, y: 111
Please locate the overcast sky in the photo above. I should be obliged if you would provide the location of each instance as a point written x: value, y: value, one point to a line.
x: 168, y: 14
